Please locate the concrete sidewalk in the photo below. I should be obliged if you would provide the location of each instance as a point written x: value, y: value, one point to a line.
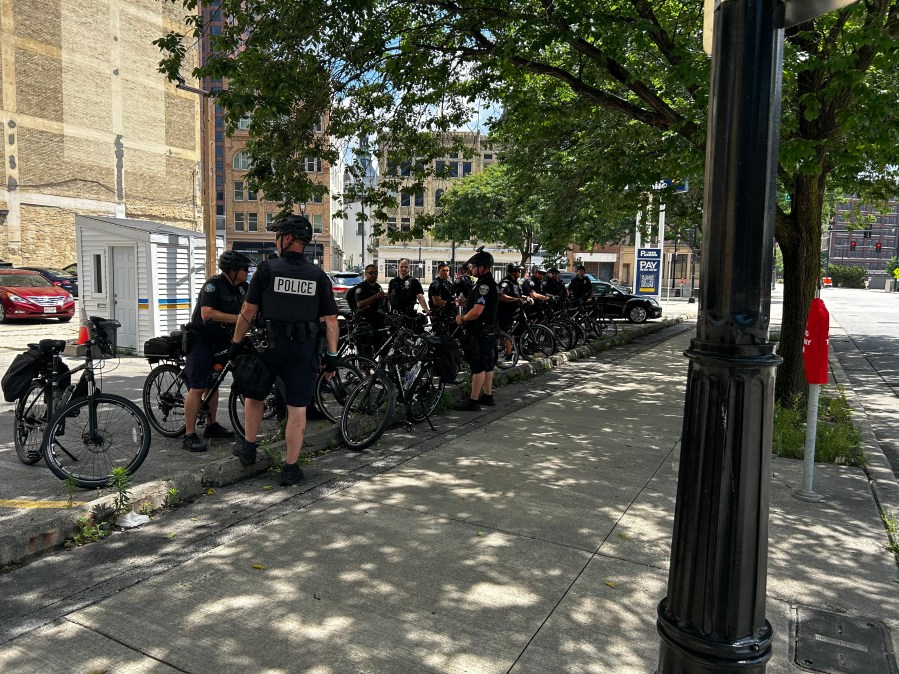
x: 534, y: 541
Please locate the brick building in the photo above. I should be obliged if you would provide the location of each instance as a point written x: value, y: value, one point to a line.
x: 870, y: 243
x: 90, y: 126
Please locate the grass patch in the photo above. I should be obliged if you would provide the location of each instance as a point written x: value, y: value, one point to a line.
x: 837, y: 439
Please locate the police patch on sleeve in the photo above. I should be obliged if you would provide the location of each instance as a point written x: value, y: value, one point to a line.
x: 484, y: 290
x: 209, y: 288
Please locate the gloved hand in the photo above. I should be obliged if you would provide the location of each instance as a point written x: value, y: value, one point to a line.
x: 330, y: 363
x: 236, y: 349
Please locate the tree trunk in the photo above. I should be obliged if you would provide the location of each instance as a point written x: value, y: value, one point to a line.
x: 799, y: 237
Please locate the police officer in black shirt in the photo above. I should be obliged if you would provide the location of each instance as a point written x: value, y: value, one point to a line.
x: 510, y: 298
x: 553, y: 286
x: 440, y: 295
x: 463, y: 283
x: 403, y: 291
x: 580, y: 288
x: 368, y: 299
x: 479, y: 319
x: 210, y: 326
x: 290, y: 296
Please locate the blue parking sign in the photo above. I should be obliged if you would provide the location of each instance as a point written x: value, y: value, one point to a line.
x: 649, y: 269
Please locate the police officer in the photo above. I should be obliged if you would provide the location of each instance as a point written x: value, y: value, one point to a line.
x: 463, y: 283
x: 440, y: 295
x: 580, y: 288
x: 403, y: 291
x: 210, y: 325
x: 553, y: 286
x: 533, y: 286
x: 290, y: 296
x: 368, y: 300
x: 479, y: 319
x: 510, y: 298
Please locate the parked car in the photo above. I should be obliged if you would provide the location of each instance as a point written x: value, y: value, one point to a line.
x: 58, y: 277
x: 341, y: 282
x: 27, y: 294
x: 619, y: 302
x: 71, y: 269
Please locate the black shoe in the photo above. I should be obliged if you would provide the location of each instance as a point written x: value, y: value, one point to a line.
x: 469, y: 406
x: 246, y: 452
x: 291, y: 475
x: 215, y: 431
x: 192, y: 443
x: 486, y: 400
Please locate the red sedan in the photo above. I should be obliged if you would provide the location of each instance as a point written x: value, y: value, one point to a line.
x: 27, y: 294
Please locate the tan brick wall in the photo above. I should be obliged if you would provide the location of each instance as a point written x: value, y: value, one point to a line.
x: 180, y: 113
x: 86, y: 95
x: 161, y: 191
x: 64, y: 165
x: 38, y: 85
x: 39, y: 20
x: 139, y: 56
x: 48, y: 236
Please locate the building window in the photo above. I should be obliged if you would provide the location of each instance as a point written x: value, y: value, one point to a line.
x: 238, y: 190
x: 219, y: 123
x: 316, y: 199
x: 220, y: 209
x: 466, y: 168
x: 269, y: 219
x: 239, y: 222
x: 98, y: 273
x: 405, y: 224
x: 313, y: 165
x: 251, y: 195
x: 219, y: 196
x: 243, y: 123
x: 454, y: 170
x: 317, y: 227
x: 391, y: 224
x: 437, y: 196
x: 405, y: 199
x: 319, y: 127
x: 390, y: 267
x: 219, y: 167
x: 420, y: 200
x: 252, y: 222
x: 219, y: 136
x: 440, y: 165
x: 488, y: 157
x: 241, y: 161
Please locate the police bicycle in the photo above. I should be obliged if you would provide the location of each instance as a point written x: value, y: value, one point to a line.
x: 81, y: 432
x: 406, y: 374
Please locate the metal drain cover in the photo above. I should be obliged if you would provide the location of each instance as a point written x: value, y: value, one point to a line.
x: 840, y: 644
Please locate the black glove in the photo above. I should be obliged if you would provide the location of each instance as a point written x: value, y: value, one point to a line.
x: 236, y: 349
x: 330, y: 363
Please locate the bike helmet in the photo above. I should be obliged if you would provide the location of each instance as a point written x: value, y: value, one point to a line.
x: 537, y: 270
x: 512, y: 267
x: 295, y: 225
x: 233, y: 261
x: 553, y: 271
x: 580, y: 267
x: 481, y: 259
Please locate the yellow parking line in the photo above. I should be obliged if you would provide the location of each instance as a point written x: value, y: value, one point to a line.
x: 6, y: 503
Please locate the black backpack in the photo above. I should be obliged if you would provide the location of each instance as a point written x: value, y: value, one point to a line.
x: 21, y: 372
x: 447, y: 357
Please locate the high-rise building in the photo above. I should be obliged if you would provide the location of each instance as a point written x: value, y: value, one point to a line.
x: 90, y: 125
x: 860, y: 235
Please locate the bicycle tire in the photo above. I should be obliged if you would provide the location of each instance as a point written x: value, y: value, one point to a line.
x: 539, y: 340
x: 122, y: 439
x: 30, y: 421
x: 500, y: 360
x: 428, y: 392
x: 364, y: 364
x: 607, y: 327
x: 165, y: 389
x: 566, y: 333
x: 274, y: 413
x: 367, y: 413
x: 331, y: 394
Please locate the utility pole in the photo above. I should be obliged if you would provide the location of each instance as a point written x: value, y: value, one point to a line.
x: 713, y: 619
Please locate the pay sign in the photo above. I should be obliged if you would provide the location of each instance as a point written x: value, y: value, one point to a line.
x: 649, y: 266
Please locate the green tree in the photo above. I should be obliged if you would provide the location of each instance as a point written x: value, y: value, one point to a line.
x: 626, y: 82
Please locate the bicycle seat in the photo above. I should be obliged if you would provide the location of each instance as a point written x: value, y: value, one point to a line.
x: 49, y: 346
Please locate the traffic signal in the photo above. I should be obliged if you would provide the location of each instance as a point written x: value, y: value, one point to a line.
x: 852, y: 245
x: 877, y: 247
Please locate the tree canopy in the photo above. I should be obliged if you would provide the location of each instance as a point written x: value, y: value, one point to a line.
x: 611, y: 96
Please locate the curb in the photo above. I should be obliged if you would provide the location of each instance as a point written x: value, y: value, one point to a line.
x: 54, y: 530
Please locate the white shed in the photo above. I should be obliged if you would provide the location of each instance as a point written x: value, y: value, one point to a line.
x: 145, y: 274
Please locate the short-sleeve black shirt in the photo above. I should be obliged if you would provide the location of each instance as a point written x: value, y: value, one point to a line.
x: 554, y: 287
x: 403, y: 293
x: 439, y: 288
x: 217, y: 293
x: 292, y: 307
x: 530, y: 285
x: 510, y: 288
x: 362, y: 292
x: 580, y: 288
x: 484, y: 292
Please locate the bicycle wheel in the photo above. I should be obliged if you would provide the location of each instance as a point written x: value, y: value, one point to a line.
x: 274, y: 413
x: 31, y: 419
x: 367, y: 413
x: 164, y: 391
x: 365, y: 365
x: 331, y: 394
x: 121, y: 438
x: 504, y: 359
x: 428, y: 391
x: 538, y: 340
x: 566, y: 334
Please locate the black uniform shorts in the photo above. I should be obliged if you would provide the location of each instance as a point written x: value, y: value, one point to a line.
x: 480, y: 352
x: 296, y: 364
x: 200, y: 361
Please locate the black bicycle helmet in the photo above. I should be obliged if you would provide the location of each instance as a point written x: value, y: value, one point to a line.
x: 553, y: 271
x: 512, y: 267
x: 295, y: 225
x: 537, y: 270
x: 233, y: 261
x: 481, y: 259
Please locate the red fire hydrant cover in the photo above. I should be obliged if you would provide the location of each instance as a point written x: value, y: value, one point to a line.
x: 816, y: 342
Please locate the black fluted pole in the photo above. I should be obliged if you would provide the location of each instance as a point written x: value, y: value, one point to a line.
x: 713, y: 619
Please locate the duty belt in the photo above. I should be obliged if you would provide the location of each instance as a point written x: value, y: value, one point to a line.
x: 299, y: 332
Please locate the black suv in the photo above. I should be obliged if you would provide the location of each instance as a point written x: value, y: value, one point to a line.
x: 618, y: 303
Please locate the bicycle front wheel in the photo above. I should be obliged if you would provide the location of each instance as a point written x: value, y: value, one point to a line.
x: 428, y: 391
x: 31, y: 419
x: 274, y: 413
x: 121, y: 438
x: 506, y: 350
x: 539, y: 340
x: 367, y: 413
x: 331, y: 394
x: 164, y: 391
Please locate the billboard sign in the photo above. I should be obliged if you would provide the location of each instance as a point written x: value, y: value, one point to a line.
x: 649, y: 270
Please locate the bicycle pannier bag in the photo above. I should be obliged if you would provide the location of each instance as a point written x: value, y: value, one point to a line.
x: 161, y: 347
x: 21, y: 371
x: 448, y: 358
x: 253, y: 376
